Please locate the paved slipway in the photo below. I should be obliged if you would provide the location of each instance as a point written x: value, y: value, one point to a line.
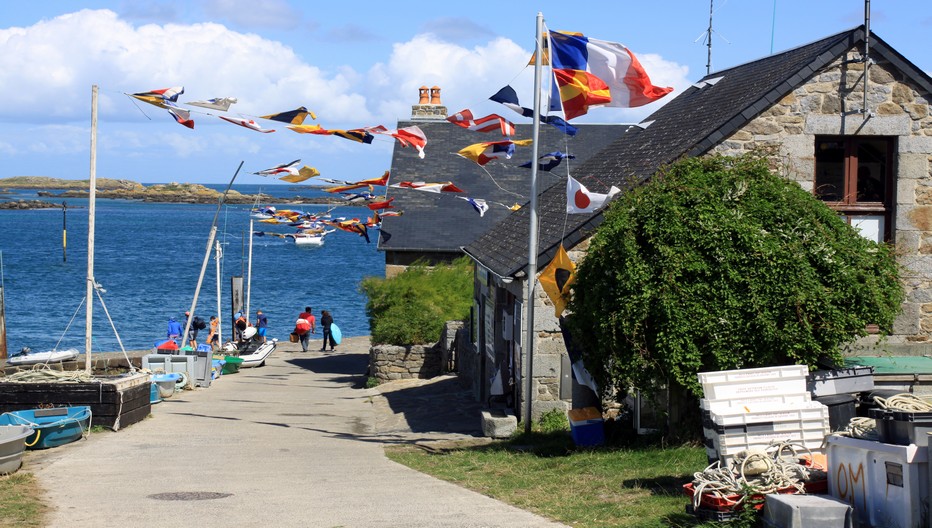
x: 298, y: 442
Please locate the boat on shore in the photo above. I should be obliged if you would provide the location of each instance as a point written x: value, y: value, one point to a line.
x: 51, y: 356
x: 51, y: 427
x: 12, y: 447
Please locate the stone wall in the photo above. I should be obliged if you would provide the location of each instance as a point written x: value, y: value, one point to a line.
x: 467, y: 363
x: 389, y: 362
x: 830, y: 104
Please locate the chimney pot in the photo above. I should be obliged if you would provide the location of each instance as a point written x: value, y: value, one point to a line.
x: 435, y: 95
x: 422, y: 94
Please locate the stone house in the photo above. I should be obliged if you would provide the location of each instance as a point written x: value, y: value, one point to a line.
x: 854, y: 129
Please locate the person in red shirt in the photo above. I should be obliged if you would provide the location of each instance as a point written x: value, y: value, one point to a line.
x: 306, y: 328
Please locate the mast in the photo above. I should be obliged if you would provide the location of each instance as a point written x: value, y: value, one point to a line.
x: 708, y: 60
x: 249, y: 271
x: 91, y: 206
x: 217, y: 255
x: 532, y: 237
x: 197, y: 290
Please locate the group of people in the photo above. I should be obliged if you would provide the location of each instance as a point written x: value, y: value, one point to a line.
x: 307, y: 325
x: 176, y: 328
x: 304, y: 327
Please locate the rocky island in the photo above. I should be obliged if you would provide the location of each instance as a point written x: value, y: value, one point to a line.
x: 129, y: 190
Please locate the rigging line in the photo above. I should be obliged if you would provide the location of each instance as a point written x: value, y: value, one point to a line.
x: 113, y: 326
x: 69, y: 322
x: 132, y: 100
x: 773, y: 25
x: 499, y: 186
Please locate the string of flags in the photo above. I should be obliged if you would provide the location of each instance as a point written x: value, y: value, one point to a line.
x: 585, y: 72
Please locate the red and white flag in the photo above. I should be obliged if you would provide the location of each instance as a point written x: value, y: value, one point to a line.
x: 407, y: 136
x: 580, y: 200
x: 489, y: 123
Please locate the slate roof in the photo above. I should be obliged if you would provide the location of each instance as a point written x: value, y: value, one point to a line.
x: 443, y: 223
x: 691, y: 124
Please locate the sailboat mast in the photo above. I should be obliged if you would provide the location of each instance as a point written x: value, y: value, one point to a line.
x: 249, y: 272
x: 532, y: 237
x: 217, y: 256
x: 91, y: 211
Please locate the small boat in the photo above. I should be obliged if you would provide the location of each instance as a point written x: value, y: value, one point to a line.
x: 307, y: 239
x: 12, y: 446
x: 28, y: 357
x: 52, y: 427
x: 250, y: 350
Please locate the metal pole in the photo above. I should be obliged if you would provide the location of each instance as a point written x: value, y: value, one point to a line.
x: 3, y: 351
x: 532, y: 237
x: 200, y: 278
x: 249, y: 272
x: 867, y: 49
x: 64, y: 231
x: 217, y: 256
x: 91, y: 211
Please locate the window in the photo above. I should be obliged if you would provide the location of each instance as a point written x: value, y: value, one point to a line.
x: 854, y: 176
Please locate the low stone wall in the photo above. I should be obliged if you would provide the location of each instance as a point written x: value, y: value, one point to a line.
x: 389, y: 362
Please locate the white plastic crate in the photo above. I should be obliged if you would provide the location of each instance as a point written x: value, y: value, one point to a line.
x: 754, y: 401
x: 770, y: 413
x: 745, y: 383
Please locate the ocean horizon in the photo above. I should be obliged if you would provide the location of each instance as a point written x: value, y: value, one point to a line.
x: 148, y: 257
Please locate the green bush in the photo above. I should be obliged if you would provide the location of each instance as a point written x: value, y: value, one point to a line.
x: 412, y: 307
x: 718, y: 263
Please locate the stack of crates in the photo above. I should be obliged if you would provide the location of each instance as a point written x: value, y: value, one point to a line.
x: 751, y: 408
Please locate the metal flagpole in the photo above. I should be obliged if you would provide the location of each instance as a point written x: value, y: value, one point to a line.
x: 249, y: 272
x: 532, y: 237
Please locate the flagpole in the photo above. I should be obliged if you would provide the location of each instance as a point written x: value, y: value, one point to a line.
x: 532, y: 237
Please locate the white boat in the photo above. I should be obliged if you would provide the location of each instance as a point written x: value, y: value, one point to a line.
x: 252, y: 352
x: 307, y: 239
x: 51, y: 356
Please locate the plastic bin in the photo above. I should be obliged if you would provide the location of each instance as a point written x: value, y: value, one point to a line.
x: 587, y: 427
x: 887, y: 485
x: 841, y: 409
x: 756, y: 382
x: 842, y: 381
x: 806, y: 511
x: 903, y: 427
x: 232, y: 364
x: 752, y: 402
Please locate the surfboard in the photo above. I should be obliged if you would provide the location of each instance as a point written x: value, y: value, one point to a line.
x: 336, y: 333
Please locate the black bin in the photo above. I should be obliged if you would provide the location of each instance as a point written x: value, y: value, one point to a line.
x: 841, y: 409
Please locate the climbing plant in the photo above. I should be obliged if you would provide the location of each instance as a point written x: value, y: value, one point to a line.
x: 719, y: 263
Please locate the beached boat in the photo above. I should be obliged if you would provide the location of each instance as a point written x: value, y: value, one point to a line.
x: 250, y: 349
x: 51, y: 356
x: 51, y: 427
x: 12, y: 446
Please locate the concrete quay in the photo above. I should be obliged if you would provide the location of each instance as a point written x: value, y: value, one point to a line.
x: 298, y: 442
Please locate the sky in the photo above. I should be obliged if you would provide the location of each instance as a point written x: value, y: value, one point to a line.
x: 353, y: 64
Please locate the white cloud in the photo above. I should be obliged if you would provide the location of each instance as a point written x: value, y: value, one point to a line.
x: 267, y: 14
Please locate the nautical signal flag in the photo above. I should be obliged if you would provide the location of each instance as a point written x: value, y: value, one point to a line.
x: 548, y: 161
x: 183, y: 117
x: 478, y: 204
x: 407, y: 136
x: 246, y: 123
x: 483, y: 153
x: 590, y: 70
x: 508, y: 97
x: 217, y: 103
x: 294, y: 117
x: 160, y: 96
x: 580, y: 200
x: 489, y: 123
x: 557, y: 278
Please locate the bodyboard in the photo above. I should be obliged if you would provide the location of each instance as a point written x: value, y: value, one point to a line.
x: 336, y: 333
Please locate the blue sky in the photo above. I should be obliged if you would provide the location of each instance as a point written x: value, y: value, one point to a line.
x: 354, y: 64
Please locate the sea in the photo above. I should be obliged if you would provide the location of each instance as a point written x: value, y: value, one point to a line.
x: 147, y: 259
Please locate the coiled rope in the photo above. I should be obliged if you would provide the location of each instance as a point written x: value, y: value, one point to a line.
x: 904, y: 402
x: 756, y: 473
x: 41, y: 372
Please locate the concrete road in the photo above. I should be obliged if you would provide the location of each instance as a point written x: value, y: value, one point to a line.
x: 298, y: 442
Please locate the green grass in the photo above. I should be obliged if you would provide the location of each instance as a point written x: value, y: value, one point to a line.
x: 21, y: 505
x: 633, y: 486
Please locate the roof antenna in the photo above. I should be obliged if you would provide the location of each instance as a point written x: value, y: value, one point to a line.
x: 866, y: 59
x: 708, y: 40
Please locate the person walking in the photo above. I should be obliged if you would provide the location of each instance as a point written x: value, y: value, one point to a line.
x: 304, y: 327
x: 325, y: 321
x: 262, y: 324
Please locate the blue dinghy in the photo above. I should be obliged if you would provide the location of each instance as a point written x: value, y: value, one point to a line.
x: 53, y: 427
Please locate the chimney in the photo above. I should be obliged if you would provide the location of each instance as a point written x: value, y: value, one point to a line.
x: 428, y: 111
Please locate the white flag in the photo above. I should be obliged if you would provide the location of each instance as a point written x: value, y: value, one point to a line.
x: 581, y: 200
